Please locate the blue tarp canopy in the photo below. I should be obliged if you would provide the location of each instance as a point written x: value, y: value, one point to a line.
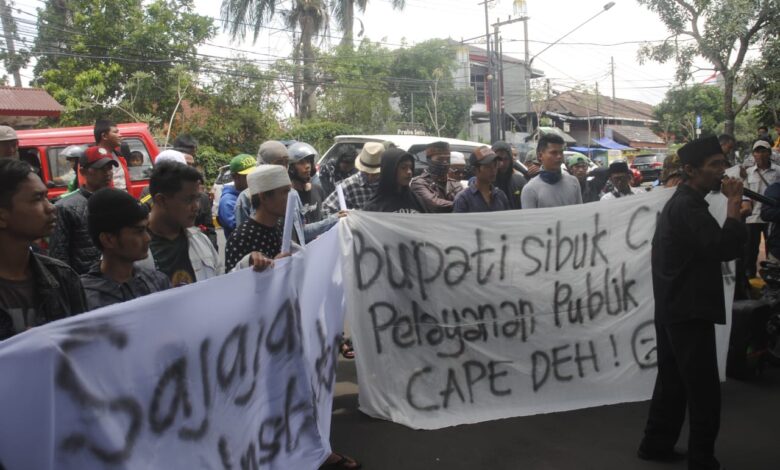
x: 606, y: 142
x: 584, y: 150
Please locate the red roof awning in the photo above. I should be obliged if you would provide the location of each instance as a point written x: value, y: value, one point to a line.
x: 27, y: 102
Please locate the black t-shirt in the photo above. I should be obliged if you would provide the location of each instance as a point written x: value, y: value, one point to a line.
x: 252, y: 236
x: 17, y: 305
x: 311, y: 202
x: 172, y: 257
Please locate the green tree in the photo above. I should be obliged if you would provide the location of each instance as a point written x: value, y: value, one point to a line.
x: 676, y: 114
x: 236, y: 111
x: 422, y: 78
x: 117, y: 58
x: 356, y: 90
x: 344, y: 12
x: 719, y: 31
x: 309, y: 16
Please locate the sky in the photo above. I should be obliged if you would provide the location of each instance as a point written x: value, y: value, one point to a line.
x: 581, y: 59
x: 577, y: 60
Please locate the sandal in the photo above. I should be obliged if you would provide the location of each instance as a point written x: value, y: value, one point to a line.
x: 347, y: 352
x: 343, y: 463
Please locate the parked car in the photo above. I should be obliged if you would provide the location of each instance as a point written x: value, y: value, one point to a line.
x: 414, y: 144
x: 649, y: 165
x: 41, y: 148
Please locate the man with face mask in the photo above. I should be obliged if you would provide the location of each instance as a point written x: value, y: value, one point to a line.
x: 433, y: 187
x: 507, y: 179
x: 620, y: 177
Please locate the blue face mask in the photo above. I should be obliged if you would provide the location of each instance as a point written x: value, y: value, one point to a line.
x: 550, y: 177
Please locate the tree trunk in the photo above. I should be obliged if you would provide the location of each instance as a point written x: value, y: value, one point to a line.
x: 349, y: 23
x: 728, y: 102
x: 308, y: 97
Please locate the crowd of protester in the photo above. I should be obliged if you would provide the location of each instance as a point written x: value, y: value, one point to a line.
x: 97, y: 245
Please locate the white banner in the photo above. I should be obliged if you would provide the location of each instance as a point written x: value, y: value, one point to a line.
x: 235, y: 372
x: 466, y: 318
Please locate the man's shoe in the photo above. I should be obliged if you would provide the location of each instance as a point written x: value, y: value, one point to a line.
x: 671, y: 456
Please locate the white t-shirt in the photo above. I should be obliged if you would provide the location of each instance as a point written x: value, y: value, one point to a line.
x: 758, y: 180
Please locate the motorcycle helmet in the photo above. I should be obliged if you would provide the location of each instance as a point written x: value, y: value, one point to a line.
x: 300, y: 151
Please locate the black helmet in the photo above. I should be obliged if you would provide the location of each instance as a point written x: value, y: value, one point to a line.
x: 300, y: 151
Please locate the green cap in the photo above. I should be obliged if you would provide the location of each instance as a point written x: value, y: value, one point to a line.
x: 576, y: 159
x: 242, y: 164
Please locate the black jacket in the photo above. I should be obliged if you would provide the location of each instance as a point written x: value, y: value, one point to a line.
x: 771, y: 214
x: 58, y: 293
x: 688, y: 248
x: 102, y: 291
x: 70, y: 241
x: 389, y: 196
x: 512, y: 185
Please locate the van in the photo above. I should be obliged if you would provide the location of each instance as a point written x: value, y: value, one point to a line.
x: 41, y: 148
x: 414, y: 144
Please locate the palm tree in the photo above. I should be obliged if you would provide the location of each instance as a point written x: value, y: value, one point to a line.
x: 344, y: 12
x: 308, y: 16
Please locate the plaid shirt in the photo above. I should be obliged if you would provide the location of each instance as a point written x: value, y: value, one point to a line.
x: 357, y: 192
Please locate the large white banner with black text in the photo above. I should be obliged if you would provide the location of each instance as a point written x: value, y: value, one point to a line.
x: 467, y: 318
x: 235, y: 372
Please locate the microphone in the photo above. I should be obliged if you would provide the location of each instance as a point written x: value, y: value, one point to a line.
x: 758, y: 197
x: 769, y: 201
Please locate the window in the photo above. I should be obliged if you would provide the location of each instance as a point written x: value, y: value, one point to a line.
x: 139, y: 165
x: 60, y: 169
x: 478, y: 84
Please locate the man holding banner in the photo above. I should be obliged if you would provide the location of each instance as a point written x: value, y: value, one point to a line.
x: 687, y: 251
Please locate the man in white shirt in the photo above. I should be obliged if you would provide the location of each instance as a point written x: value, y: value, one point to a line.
x: 759, y: 177
x: 620, y: 177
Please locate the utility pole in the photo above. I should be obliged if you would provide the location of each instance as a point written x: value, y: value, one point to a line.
x: 612, y: 72
x: 598, y: 110
x: 499, y: 94
x: 9, y: 28
x: 529, y: 119
x: 412, y: 108
x: 490, y: 77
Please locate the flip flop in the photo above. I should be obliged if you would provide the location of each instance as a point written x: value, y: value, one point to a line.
x: 343, y: 463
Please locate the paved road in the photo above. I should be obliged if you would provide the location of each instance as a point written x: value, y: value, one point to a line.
x: 602, y: 438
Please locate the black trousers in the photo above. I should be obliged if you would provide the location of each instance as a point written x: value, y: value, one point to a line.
x: 687, y: 378
x: 753, y: 245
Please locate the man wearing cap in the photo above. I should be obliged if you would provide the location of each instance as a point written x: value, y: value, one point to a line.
x: 758, y: 179
x: 620, y: 177
x: 578, y: 166
x: 508, y: 180
x: 433, y: 187
x: 687, y: 251
x: 269, y: 186
x: 178, y: 248
x: 107, y: 136
x: 34, y: 289
x: 240, y: 167
x: 70, y: 241
x: 360, y: 187
x: 553, y: 187
x: 271, y: 152
x: 118, y: 225
x: 482, y: 195
x: 9, y: 143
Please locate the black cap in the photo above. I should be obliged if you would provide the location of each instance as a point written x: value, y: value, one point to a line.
x: 110, y: 210
x: 695, y: 152
x: 501, y: 145
x: 618, y: 167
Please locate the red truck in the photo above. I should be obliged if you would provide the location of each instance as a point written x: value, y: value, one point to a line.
x: 42, y: 147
